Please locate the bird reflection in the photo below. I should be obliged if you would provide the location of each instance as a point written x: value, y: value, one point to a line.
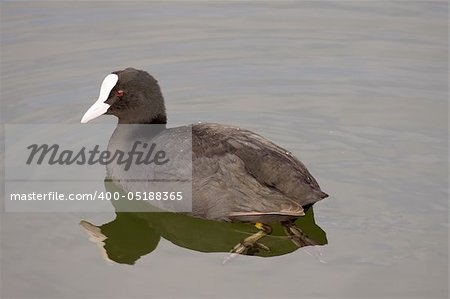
x: 132, y: 235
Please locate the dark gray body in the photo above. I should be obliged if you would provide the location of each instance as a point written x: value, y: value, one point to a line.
x: 237, y: 175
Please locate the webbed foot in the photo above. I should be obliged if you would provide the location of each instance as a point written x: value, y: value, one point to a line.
x: 250, y: 245
x: 297, y: 236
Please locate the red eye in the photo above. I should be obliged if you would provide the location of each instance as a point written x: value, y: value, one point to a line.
x: 119, y: 93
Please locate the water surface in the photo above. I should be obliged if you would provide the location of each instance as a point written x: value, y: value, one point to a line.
x: 356, y: 90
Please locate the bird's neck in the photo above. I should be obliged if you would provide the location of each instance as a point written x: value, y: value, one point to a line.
x: 159, y: 119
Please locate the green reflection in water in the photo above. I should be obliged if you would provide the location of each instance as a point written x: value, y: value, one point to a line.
x: 134, y: 234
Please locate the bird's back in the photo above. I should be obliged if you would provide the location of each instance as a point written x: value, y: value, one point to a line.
x: 239, y: 171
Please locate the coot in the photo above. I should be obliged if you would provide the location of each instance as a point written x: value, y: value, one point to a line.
x: 237, y: 175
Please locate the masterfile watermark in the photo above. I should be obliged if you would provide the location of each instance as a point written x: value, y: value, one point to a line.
x: 52, y: 155
x: 76, y: 168
x: 51, y: 195
x: 99, y: 195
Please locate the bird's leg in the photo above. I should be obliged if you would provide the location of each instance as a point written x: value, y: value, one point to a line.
x: 296, y: 235
x: 249, y: 244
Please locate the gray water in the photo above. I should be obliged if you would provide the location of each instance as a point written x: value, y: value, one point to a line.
x: 358, y: 90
